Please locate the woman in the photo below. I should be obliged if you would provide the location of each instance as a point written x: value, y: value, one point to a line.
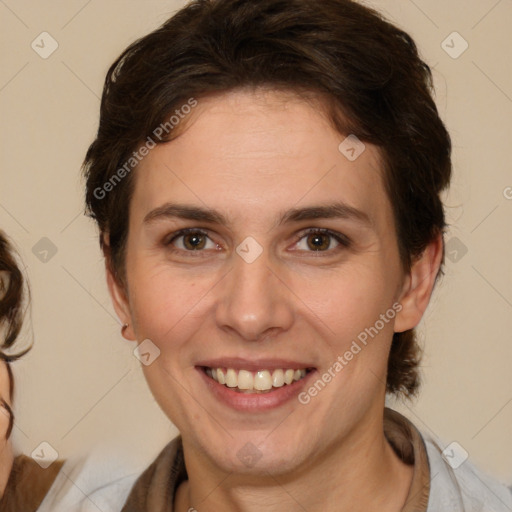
x: 266, y: 180
x: 26, y: 485
x: 23, y: 482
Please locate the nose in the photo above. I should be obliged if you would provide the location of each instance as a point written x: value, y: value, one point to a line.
x: 254, y: 301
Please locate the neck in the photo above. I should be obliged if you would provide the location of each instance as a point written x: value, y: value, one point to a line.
x: 6, y: 462
x: 361, y: 472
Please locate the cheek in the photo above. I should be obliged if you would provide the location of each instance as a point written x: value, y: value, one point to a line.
x: 350, y: 299
x: 357, y: 307
x: 167, y: 304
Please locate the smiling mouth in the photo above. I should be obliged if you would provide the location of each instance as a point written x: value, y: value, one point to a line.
x: 262, y: 381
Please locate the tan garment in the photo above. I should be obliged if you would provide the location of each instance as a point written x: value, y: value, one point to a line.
x: 410, y: 447
x: 27, y: 485
x: 155, y: 489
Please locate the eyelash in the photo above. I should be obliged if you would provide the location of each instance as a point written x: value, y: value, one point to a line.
x: 343, y: 240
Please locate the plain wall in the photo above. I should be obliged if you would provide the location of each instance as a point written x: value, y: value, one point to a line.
x: 82, y: 384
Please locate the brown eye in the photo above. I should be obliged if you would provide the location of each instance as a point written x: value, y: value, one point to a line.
x: 318, y: 241
x: 322, y: 240
x: 189, y: 240
x: 194, y: 241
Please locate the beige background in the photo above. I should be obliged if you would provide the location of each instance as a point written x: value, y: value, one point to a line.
x: 81, y: 383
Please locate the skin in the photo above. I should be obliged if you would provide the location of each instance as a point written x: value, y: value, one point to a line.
x: 252, y: 155
x: 6, y: 453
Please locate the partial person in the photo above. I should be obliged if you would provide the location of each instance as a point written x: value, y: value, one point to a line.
x: 23, y: 482
x: 267, y: 180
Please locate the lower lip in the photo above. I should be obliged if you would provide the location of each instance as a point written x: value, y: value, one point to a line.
x: 255, y: 402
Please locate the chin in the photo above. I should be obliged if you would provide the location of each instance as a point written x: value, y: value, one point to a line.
x: 257, y: 453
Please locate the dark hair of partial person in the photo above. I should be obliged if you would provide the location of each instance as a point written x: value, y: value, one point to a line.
x: 13, y: 294
x: 365, y: 73
x: 5, y: 405
x: 12, y: 300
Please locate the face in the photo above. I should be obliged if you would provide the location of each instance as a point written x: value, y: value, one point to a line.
x: 289, y: 257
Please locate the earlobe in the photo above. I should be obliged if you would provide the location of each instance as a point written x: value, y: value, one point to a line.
x: 418, y: 285
x: 120, y: 303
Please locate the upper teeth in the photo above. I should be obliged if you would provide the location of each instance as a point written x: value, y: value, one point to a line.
x: 262, y: 380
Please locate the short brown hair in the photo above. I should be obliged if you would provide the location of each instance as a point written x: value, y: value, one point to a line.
x: 368, y: 71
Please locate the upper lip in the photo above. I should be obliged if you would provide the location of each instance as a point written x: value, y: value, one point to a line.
x: 238, y: 363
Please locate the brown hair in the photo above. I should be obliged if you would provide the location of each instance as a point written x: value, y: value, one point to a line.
x: 366, y: 70
x: 12, y: 298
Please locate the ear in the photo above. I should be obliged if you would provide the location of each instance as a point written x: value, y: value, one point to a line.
x: 119, y: 297
x: 418, y: 285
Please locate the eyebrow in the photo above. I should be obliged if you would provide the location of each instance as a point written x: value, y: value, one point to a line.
x: 338, y: 210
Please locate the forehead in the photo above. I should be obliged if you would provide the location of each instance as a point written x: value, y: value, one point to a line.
x: 259, y: 152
